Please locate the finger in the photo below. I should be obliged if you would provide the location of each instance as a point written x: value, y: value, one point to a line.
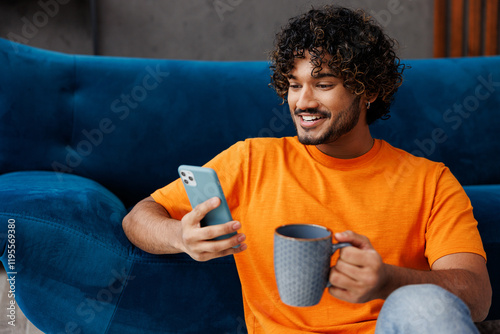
x: 341, y: 279
x: 358, y: 257
x: 218, y: 246
x: 350, y: 270
x: 203, y: 239
x: 232, y: 250
x: 214, y: 231
x: 201, y: 210
x: 339, y: 284
x: 213, y: 249
x: 357, y: 240
x: 209, y: 256
x: 343, y: 287
x: 341, y: 294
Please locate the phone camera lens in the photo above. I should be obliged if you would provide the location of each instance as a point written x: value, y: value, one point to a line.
x: 186, y: 181
x: 191, y: 178
x: 183, y: 174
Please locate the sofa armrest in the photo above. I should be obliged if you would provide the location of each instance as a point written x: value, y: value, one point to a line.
x: 77, y: 272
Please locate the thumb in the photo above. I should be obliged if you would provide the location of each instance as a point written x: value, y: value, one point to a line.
x: 357, y: 240
x: 201, y: 210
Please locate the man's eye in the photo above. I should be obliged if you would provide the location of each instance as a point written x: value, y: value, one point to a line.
x: 325, y: 86
x: 294, y: 86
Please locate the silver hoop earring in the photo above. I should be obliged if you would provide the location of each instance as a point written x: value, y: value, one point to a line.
x: 368, y: 104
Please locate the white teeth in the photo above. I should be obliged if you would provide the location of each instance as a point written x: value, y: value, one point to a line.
x: 310, y: 118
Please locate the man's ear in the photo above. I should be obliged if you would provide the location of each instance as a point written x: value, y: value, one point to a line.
x: 370, y: 97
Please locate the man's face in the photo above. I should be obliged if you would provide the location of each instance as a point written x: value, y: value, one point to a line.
x: 322, y: 109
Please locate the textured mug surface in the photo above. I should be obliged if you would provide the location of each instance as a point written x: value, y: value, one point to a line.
x: 302, y: 255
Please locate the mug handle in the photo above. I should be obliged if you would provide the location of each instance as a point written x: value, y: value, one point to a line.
x: 339, y: 246
x: 334, y: 249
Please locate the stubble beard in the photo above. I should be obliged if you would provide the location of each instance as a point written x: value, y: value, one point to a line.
x: 344, y: 122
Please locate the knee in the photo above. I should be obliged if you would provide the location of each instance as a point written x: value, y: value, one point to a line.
x: 422, y: 306
x: 422, y: 298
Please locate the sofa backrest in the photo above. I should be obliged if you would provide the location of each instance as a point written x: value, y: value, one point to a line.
x: 448, y: 110
x: 128, y: 123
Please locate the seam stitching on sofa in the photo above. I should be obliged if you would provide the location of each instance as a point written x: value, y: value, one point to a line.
x: 119, y: 298
x: 67, y: 229
x: 131, y: 257
x: 49, y: 219
x: 177, y: 261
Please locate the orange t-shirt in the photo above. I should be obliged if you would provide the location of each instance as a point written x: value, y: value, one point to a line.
x: 413, y: 211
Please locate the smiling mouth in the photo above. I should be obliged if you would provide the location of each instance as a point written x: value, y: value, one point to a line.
x: 310, y: 118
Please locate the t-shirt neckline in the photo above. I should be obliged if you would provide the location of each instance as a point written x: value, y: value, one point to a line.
x: 344, y: 164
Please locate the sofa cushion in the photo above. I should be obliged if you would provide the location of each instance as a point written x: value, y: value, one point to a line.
x: 486, y: 201
x: 70, y: 259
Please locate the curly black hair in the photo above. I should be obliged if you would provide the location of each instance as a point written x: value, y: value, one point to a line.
x: 351, y: 44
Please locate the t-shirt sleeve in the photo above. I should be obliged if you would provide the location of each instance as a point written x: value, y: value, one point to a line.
x: 451, y: 227
x: 230, y: 166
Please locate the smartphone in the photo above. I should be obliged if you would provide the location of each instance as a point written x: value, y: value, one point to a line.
x: 201, y: 184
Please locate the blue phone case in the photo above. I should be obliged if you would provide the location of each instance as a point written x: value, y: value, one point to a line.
x: 202, y: 183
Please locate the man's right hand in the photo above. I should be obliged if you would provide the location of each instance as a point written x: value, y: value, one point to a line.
x: 150, y: 227
x: 197, y: 241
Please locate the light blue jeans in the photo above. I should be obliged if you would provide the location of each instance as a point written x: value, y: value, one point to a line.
x: 424, y: 308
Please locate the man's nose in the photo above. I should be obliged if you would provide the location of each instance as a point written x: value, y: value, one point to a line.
x: 307, y: 100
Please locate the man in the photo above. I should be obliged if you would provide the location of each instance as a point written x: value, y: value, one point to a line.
x: 416, y: 249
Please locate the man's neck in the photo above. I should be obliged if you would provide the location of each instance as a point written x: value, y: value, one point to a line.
x: 349, y: 146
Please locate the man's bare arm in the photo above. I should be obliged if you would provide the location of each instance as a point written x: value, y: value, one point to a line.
x: 150, y: 227
x: 463, y: 274
x: 360, y: 275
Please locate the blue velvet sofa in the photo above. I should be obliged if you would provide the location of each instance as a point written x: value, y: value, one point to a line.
x: 83, y: 138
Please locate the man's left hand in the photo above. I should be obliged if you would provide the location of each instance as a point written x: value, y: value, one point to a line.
x: 360, y: 275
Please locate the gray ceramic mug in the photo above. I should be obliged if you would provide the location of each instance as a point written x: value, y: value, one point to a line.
x: 302, y: 254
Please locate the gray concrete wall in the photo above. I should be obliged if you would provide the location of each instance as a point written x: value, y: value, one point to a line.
x: 193, y: 29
